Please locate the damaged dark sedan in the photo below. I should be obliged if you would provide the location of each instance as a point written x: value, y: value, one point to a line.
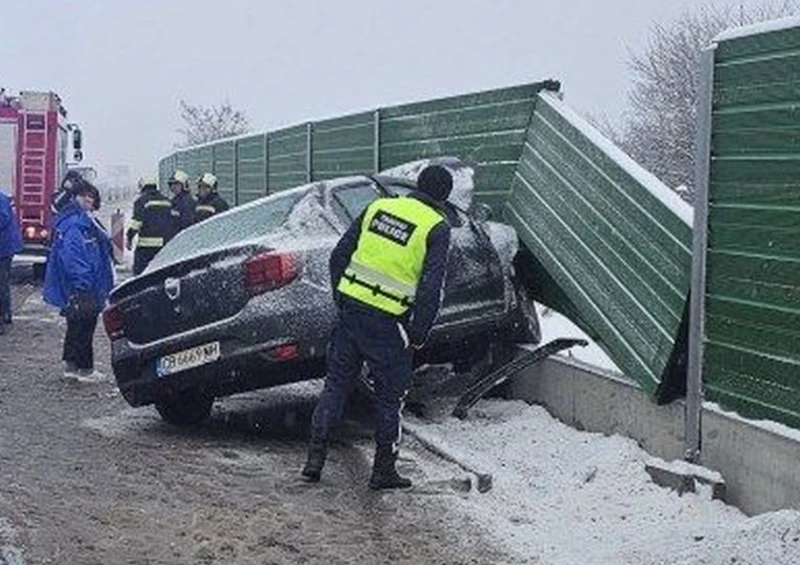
x: 243, y: 300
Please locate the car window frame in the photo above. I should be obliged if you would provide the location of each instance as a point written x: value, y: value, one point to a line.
x: 326, y: 213
x: 339, y: 210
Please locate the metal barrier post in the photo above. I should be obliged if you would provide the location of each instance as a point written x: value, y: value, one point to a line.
x: 697, y: 334
x: 118, y: 236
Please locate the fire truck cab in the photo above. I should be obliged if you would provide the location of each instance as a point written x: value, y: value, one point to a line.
x: 34, y: 145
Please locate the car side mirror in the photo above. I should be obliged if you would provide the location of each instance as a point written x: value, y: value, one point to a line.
x: 482, y: 212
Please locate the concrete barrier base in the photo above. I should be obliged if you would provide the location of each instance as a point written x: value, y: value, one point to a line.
x: 757, y: 459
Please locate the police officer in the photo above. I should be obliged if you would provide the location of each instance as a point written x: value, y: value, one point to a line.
x: 152, y: 222
x: 388, y: 272
x: 182, y: 201
x: 209, y: 202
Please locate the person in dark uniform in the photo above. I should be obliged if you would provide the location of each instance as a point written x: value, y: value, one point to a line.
x: 209, y: 202
x: 182, y: 201
x: 152, y: 224
x: 388, y: 273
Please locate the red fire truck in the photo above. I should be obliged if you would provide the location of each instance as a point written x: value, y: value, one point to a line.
x: 34, y: 141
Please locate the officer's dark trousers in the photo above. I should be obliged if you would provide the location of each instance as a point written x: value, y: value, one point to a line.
x: 5, y: 289
x: 142, y: 257
x: 78, y: 342
x: 363, y: 334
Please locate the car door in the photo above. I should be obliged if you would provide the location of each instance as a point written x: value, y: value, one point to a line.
x: 474, y: 288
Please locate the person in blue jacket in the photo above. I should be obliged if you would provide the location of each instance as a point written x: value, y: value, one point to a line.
x: 79, y: 278
x: 10, y: 244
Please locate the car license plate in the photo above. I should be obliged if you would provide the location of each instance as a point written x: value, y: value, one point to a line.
x: 187, y: 359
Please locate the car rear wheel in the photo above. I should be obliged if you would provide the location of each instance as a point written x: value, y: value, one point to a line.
x: 185, y: 408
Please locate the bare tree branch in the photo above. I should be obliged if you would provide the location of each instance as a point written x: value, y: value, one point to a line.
x: 658, y: 128
x: 202, y: 124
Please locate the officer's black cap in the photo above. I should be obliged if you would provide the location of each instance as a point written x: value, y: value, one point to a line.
x: 436, y: 181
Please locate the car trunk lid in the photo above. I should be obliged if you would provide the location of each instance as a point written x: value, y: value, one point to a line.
x: 185, y: 295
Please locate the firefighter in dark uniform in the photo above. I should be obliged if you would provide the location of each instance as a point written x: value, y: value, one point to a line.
x: 209, y: 202
x: 182, y: 201
x: 388, y: 273
x: 152, y: 224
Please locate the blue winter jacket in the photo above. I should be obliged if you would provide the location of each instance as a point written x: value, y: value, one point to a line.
x: 79, y: 260
x: 10, y: 235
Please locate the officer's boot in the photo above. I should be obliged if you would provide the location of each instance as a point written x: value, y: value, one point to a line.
x: 317, y: 451
x: 384, y: 474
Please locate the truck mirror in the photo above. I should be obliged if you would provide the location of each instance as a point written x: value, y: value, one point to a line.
x: 77, y: 140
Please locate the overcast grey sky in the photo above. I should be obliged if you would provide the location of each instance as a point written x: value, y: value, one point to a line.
x: 121, y: 66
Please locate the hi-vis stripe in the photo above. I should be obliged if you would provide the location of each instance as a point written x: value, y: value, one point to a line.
x: 205, y: 208
x: 158, y: 204
x: 136, y: 224
x: 371, y: 276
x: 150, y: 242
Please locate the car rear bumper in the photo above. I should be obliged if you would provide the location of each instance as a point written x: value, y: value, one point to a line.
x: 246, y: 369
x: 252, y: 353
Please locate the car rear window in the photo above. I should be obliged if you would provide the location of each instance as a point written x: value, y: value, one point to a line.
x: 237, y: 225
x: 350, y: 201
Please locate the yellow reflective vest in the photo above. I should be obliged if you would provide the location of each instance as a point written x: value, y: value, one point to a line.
x: 387, y: 264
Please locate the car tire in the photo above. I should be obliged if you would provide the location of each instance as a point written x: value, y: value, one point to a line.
x: 185, y: 408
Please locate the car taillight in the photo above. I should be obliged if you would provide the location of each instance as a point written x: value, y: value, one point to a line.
x: 112, y: 320
x: 269, y: 270
x: 284, y: 352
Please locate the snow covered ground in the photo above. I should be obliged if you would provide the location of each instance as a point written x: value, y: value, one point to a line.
x: 566, y: 497
x: 555, y: 325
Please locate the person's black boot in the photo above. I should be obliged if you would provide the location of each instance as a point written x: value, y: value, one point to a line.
x: 384, y: 474
x: 317, y: 451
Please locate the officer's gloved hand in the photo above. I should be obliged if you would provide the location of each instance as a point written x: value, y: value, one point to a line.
x: 81, y: 306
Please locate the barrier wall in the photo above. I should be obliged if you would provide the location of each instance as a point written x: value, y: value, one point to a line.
x: 750, y: 311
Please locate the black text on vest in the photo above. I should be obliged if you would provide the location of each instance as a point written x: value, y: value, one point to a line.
x: 391, y: 227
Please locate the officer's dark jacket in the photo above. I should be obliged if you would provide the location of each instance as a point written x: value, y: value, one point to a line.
x: 152, y: 219
x: 420, y: 317
x: 183, y: 210
x: 208, y: 206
